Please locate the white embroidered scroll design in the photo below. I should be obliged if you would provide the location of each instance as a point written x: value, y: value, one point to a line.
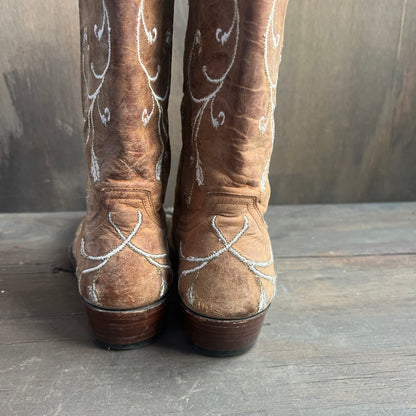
x: 160, y: 261
x: 218, y: 119
x: 271, y: 40
x: 158, y: 101
x: 228, y: 246
x: 94, y: 97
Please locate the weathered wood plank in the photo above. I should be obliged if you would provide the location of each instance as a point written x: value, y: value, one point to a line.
x: 36, y: 242
x: 337, y: 230
x: 339, y: 338
x: 155, y: 381
x: 375, y: 284
x: 39, y: 242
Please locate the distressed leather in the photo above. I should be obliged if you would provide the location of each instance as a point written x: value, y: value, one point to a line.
x: 233, y: 52
x: 120, y: 248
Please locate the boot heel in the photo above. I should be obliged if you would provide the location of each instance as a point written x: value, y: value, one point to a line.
x: 222, y: 337
x: 122, y: 330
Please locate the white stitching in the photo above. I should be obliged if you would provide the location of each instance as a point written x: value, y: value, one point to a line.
x: 126, y: 241
x: 94, y: 97
x: 95, y: 168
x: 218, y: 120
x: 157, y: 100
x: 163, y: 284
x: 263, y: 297
x: 228, y: 247
x: 149, y: 257
x: 264, y: 120
x: 190, y: 294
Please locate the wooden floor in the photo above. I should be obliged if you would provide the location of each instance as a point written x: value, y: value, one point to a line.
x: 340, y: 338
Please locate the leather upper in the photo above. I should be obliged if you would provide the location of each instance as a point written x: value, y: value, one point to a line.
x: 120, y: 248
x: 233, y: 50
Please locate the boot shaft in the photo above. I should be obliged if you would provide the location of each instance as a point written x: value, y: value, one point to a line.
x: 231, y: 62
x: 120, y: 248
x: 125, y: 64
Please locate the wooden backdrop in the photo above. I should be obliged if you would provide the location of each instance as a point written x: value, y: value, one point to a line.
x: 345, y: 121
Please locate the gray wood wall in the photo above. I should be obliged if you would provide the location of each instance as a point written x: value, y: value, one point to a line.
x: 346, y: 115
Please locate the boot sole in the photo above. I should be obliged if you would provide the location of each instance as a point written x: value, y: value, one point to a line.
x: 222, y: 337
x: 126, y: 329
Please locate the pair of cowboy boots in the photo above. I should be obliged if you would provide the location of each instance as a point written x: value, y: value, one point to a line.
x: 221, y: 249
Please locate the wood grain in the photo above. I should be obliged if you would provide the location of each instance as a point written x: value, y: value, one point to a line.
x: 339, y: 339
x: 345, y: 124
x: 41, y: 155
x: 346, y: 102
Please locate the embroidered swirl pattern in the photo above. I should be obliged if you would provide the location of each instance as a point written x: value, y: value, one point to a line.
x: 126, y: 241
x: 94, y: 97
x: 217, y: 120
x: 158, y: 260
x: 158, y: 101
x: 273, y: 40
x: 228, y: 246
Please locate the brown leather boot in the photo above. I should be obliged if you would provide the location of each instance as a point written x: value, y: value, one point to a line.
x: 226, y: 274
x: 120, y: 248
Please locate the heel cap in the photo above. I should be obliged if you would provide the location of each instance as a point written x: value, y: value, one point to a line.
x: 222, y: 337
x: 127, y: 329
